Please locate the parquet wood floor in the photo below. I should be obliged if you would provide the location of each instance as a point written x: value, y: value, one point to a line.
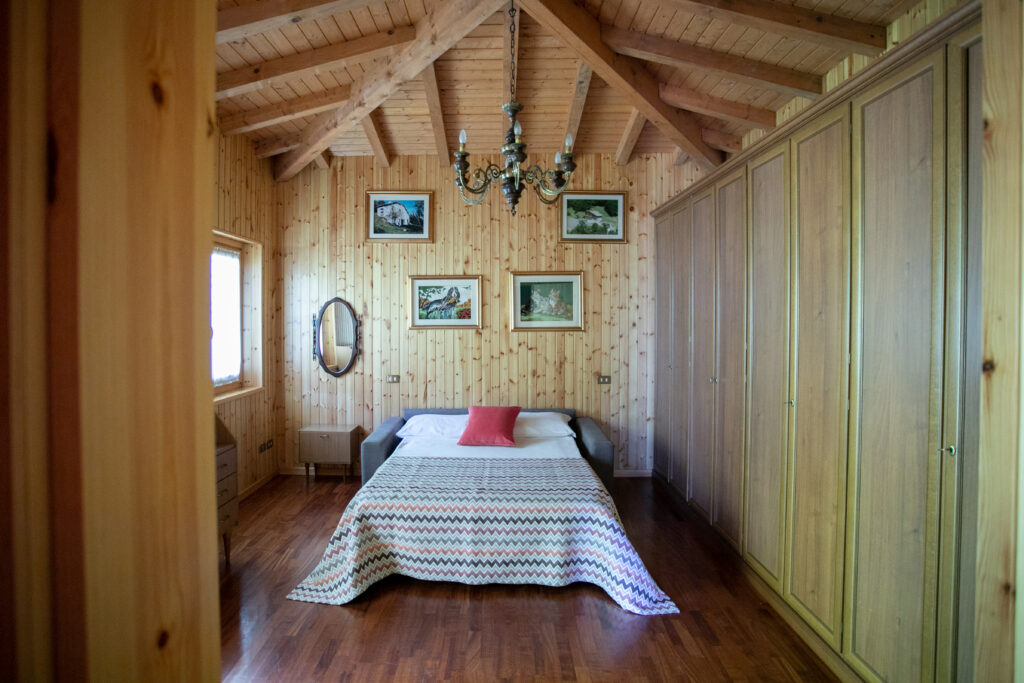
x: 407, y: 630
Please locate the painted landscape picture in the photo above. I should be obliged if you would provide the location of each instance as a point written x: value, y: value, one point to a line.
x: 445, y: 302
x: 595, y: 216
x: 399, y: 216
x: 547, y: 301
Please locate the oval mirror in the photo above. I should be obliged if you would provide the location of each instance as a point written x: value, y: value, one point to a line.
x: 336, y: 337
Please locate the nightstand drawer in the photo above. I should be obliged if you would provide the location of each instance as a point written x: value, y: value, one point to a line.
x: 227, y: 488
x: 226, y: 461
x: 327, y: 444
x: 227, y: 515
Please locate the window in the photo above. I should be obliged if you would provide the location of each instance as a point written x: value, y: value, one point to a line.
x: 235, y: 314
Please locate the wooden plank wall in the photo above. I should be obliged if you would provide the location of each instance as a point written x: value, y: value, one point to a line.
x: 323, y: 217
x: 245, y: 207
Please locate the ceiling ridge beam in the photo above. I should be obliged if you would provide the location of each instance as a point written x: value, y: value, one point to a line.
x: 238, y: 23
x: 262, y: 117
x: 433, y: 94
x: 631, y: 133
x: 716, y: 107
x: 838, y: 33
x: 436, y: 32
x: 269, y: 147
x: 373, y: 136
x: 581, y: 32
x: 719, y: 139
x: 579, y: 100
x: 674, y: 53
x: 326, y: 58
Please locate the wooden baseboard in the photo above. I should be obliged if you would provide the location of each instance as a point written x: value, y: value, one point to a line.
x: 622, y: 474
x: 823, y: 650
x: 825, y: 653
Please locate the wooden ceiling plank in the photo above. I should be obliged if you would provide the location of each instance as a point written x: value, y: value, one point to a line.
x: 433, y: 93
x: 793, y: 22
x: 673, y: 53
x: 727, y: 110
x: 581, y: 32
x: 727, y: 142
x: 262, y: 117
x: 630, y: 135
x: 266, y: 74
x: 579, y: 100
x: 238, y: 23
x: 437, y: 31
x: 380, y: 151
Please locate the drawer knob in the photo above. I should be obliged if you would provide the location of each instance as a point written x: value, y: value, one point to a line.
x: 323, y: 436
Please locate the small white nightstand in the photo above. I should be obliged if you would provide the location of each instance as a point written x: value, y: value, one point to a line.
x: 328, y: 445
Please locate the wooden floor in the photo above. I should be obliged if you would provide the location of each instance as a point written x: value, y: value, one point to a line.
x: 402, y: 629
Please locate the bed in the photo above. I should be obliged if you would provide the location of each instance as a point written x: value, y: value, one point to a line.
x: 536, y: 513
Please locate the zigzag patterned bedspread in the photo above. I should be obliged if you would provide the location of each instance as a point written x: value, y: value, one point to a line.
x: 514, y: 518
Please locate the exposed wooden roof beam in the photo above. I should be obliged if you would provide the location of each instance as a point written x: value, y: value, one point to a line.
x: 792, y: 22
x: 582, y: 33
x: 436, y: 32
x: 433, y: 93
x: 701, y: 103
x: 323, y: 161
x: 254, y: 119
x: 380, y: 152
x: 727, y: 142
x: 673, y: 53
x: 265, y: 74
x: 579, y: 100
x: 630, y: 135
x: 238, y: 23
x: 273, y: 146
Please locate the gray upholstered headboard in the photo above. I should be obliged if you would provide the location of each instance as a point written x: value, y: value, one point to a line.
x: 409, y: 412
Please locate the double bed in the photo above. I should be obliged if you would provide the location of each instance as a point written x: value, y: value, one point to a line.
x: 535, y: 513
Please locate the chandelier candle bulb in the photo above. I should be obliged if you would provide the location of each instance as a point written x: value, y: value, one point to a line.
x: 568, y: 142
x: 462, y: 140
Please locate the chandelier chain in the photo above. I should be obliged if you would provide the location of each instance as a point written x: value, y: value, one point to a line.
x: 512, y: 52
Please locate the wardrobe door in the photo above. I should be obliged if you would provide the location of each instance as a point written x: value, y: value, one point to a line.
x: 702, y: 410
x: 896, y: 411
x: 727, y: 505
x: 819, y: 384
x: 681, y: 309
x: 665, y: 237
x: 768, y: 354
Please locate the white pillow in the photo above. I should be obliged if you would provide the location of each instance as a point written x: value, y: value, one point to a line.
x: 542, y: 424
x: 443, y: 426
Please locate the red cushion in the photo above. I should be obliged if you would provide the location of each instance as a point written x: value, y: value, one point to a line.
x: 490, y: 426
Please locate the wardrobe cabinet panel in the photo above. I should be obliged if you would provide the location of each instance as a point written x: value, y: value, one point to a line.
x: 897, y: 399
x: 818, y: 420
x: 729, y: 378
x: 683, y: 267
x: 702, y: 410
x: 665, y: 237
x: 768, y: 351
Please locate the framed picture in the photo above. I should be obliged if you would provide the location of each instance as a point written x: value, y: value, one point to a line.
x: 593, y: 217
x: 547, y: 301
x: 400, y: 216
x: 440, y: 301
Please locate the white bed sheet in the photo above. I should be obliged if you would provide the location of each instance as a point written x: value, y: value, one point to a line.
x: 526, y: 447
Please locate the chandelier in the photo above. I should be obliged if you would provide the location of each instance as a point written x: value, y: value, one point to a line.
x: 547, y: 183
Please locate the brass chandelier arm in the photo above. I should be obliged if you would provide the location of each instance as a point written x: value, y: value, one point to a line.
x: 550, y: 199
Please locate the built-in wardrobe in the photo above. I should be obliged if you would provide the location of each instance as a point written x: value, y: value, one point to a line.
x: 817, y: 362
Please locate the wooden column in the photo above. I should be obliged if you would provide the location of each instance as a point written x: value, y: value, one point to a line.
x: 999, y: 543
x: 131, y: 112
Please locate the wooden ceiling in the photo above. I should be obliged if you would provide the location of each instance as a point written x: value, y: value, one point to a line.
x: 358, y: 78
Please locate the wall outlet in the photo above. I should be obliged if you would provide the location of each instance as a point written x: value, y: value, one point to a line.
x: 604, y: 379
x: 392, y: 379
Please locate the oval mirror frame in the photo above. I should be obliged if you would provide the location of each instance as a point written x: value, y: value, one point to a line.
x: 318, y: 319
